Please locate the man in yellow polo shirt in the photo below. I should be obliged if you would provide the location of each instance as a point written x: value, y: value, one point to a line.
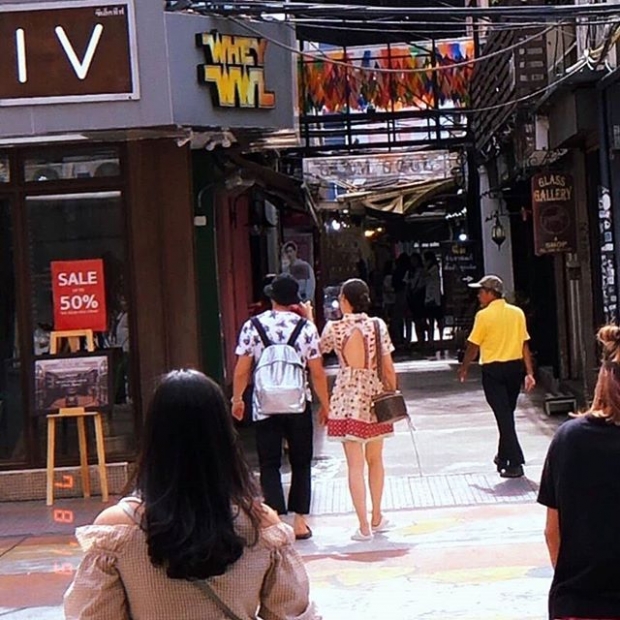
x: 500, y: 336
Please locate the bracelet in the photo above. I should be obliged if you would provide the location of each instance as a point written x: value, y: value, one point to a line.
x: 236, y: 401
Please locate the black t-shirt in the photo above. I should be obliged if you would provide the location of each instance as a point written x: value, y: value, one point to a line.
x: 581, y: 479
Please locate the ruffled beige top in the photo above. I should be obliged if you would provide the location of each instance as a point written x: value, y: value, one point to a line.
x: 117, y: 581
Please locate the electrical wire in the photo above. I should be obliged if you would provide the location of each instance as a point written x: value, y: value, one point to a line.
x: 613, y: 38
x: 364, y: 26
x: 424, y: 36
x: 581, y: 64
x: 227, y: 7
x: 439, y: 68
x: 591, y: 55
x: 445, y: 111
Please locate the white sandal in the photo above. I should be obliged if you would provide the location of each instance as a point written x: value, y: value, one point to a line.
x: 383, y: 526
x: 360, y: 537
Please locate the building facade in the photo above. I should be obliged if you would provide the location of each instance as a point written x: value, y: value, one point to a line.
x: 119, y: 125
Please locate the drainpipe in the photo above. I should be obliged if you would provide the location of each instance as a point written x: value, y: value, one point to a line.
x: 573, y: 269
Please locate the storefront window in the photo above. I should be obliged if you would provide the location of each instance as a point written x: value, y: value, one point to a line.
x: 84, y: 227
x: 5, y: 170
x: 12, y: 444
x: 80, y: 165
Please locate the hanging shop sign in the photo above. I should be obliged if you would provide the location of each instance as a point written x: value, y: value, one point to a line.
x: 71, y: 51
x: 553, y: 205
x: 422, y: 166
x: 78, y: 290
x: 234, y: 70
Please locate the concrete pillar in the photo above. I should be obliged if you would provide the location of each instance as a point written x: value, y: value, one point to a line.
x: 497, y: 261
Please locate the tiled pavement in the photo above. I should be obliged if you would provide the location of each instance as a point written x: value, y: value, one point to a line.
x: 465, y: 544
x: 412, y: 492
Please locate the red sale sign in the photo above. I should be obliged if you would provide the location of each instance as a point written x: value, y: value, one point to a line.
x: 79, y: 295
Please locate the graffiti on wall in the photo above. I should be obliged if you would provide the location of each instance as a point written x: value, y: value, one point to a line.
x: 608, y: 259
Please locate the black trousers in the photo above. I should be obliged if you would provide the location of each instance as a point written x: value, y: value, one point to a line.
x: 296, y: 428
x: 501, y: 382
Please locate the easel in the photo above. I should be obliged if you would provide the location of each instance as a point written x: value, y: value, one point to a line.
x: 80, y: 414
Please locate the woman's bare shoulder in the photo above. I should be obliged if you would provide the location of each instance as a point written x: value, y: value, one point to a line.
x: 114, y: 515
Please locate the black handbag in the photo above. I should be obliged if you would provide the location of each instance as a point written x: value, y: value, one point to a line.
x: 388, y: 406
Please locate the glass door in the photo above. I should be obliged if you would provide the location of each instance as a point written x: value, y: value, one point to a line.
x: 12, y: 428
x: 75, y: 227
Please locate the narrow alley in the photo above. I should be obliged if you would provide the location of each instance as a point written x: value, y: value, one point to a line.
x: 465, y: 543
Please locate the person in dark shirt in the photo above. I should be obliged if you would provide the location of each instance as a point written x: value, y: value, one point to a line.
x: 580, y: 487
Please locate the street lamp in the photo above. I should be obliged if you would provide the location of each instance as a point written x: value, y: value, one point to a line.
x: 498, y: 232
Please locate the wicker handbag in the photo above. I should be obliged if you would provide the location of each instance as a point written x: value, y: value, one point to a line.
x: 388, y: 406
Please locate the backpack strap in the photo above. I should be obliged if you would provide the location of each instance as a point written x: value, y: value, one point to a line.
x: 296, y: 332
x: 258, y: 326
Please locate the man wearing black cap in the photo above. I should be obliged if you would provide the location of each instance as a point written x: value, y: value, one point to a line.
x: 500, y: 336
x: 279, y: 324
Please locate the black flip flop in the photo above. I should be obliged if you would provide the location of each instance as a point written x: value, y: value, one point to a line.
x: 304, y: 536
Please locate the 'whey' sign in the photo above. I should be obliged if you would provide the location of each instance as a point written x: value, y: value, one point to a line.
x: 61, y: 52
x: 235, y: 70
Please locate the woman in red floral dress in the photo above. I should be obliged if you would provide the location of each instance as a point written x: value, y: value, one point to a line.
x: 351, y: 419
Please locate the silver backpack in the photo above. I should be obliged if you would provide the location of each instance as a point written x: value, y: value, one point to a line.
x: 279, y: 376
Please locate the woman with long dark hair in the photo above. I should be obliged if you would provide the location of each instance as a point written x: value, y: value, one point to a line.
x: 581, y: 488
x: 350, y: 418
x: 193, y: 541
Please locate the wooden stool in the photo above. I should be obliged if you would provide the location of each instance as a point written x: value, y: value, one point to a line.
x: 80, y: 414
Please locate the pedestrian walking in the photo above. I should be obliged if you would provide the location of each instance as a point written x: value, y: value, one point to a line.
x: 432, y: 296
x: 580, y: 487
x: 416, y: 295
x: 500, y: 337
x: 193, y: 541
x: 401, y: 321
x: 282, y: 325
x: 350, y: 419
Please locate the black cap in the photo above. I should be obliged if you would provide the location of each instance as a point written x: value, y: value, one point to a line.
x: 284, y: 290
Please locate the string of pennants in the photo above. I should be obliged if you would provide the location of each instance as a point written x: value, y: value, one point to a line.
x: 326, y: 87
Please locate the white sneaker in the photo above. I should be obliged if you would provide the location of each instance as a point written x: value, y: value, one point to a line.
x: 383, y: 526
x: 361, y: 537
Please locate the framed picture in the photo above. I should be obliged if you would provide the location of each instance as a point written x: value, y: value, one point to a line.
x: 73, y: 380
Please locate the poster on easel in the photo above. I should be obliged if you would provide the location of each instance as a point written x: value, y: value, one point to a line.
x: 72, y: 380
x: 78, y: 290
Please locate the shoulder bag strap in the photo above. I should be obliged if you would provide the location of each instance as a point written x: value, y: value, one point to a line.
x: 222, y: 606
x: 378, y: 352
x: 258, y: 326
x: 296, y: 332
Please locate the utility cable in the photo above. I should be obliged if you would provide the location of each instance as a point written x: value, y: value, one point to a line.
x: 450, y: 67
x: 227, y: 7
x: 408, y: 27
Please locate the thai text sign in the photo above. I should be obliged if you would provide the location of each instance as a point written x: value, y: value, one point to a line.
x: 71, y: 51
x: 78, y: 289
x: 553, y: 205
x: 235, y: 70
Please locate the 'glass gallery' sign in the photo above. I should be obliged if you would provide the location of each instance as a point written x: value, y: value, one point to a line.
x: 553, y: 205
x: 235, y: 70
x: 70, y: 51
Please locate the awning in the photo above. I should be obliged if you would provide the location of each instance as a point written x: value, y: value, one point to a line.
x: 399, y: 200
x: 292, y: 192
